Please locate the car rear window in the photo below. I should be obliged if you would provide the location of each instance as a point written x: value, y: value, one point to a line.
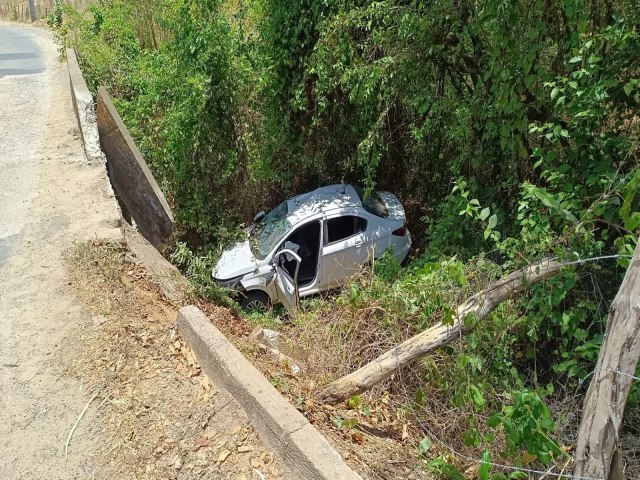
x: 341, y: 228
x: 372, y: 203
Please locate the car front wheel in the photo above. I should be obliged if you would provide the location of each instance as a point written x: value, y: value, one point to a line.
x: 255, y: 300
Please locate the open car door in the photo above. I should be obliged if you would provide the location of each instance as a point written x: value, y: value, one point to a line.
x: 287, y: 287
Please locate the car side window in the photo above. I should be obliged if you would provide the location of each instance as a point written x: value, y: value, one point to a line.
x: 341, y: 228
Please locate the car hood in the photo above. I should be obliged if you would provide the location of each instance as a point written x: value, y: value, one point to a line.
x: 235, y: 261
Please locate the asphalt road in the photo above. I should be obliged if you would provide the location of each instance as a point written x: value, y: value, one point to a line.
x: 22, y: 64
x: 19, y: 52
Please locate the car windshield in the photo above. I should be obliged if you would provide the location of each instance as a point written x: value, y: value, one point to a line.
x: 269, y: 231
x: 372, y: 203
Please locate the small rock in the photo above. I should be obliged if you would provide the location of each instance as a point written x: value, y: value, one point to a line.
x: 244, y: 449
x: 177, y: 462
x: 223, y: 456
x: 266, y: 458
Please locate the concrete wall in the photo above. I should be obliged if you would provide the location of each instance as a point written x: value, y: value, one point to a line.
x: 131, y: 178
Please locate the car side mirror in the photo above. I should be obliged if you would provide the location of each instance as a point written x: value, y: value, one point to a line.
x: 259, y: 216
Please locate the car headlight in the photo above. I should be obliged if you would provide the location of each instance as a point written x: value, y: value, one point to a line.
x: 229, y: 282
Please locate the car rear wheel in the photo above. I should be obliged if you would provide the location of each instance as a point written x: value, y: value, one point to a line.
x: 255, y: 300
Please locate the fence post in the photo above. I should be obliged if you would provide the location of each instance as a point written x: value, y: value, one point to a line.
x: 597, y: 453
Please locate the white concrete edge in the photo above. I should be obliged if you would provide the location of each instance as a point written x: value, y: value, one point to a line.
x: 302, y: 451
x: 85, y: 111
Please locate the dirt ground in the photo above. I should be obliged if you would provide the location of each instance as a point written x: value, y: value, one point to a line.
x: 49, y: 198
x: 160, y: 415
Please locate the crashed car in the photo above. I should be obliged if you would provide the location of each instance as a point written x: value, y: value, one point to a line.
x: 312, y: 243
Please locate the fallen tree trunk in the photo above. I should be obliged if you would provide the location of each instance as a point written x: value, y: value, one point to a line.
x: 412, y: 349
x: 597, y: 453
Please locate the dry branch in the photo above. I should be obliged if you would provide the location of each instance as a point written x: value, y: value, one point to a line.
x: 597, y: 455
x: 75, y: 425
x: 412, y: 349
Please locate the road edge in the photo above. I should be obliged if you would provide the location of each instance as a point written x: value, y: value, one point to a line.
x: 84, y: 108
x: 304, y: 453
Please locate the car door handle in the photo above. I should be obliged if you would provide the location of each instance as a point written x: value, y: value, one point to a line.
x: 359, y: 243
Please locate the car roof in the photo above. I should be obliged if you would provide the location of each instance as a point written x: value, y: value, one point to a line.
x: 329, y: 199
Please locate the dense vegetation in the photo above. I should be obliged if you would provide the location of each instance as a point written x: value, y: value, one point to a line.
x: 509, y: 129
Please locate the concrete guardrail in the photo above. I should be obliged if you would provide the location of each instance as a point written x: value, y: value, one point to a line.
x: 302, y: 451
x: 131, y: 178
x: 84, y: 108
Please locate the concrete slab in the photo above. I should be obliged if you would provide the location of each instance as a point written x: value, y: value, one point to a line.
x: 302, y: 451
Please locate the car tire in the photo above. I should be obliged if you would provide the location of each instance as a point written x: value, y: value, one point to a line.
x: 255, y: 300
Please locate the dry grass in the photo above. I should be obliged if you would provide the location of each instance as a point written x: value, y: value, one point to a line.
x: 337, y: 338
x: 160, y: 408
x: 161, y: 415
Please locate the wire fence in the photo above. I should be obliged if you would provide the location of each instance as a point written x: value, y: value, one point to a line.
x: 549, y: 473
x: 513, y: 468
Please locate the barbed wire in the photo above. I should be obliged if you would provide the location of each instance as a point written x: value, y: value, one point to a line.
x: 609, y: 370
x: 595, y: 259
x: 513, y: 468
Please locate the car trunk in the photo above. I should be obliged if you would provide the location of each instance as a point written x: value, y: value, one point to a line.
x: 394, y: 207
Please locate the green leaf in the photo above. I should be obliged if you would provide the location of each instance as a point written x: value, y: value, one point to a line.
x: 628, y: 88
x: 576, y: 59
x: 517, y: 475
x: 452, y: 472
x: 564, y: 366
x: 494, y: 420
x: 476, y: 396
x: 484, y: 214
x: 349, y: 423
x: 472, y: 438
x: 547, y: 199
x: 424, y: 446
x: 337, y: 421
x: 493, y: 221
x: 485, y: 466
x: 354, y: 402
x: 630, y: 191
x: 543, y: 456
